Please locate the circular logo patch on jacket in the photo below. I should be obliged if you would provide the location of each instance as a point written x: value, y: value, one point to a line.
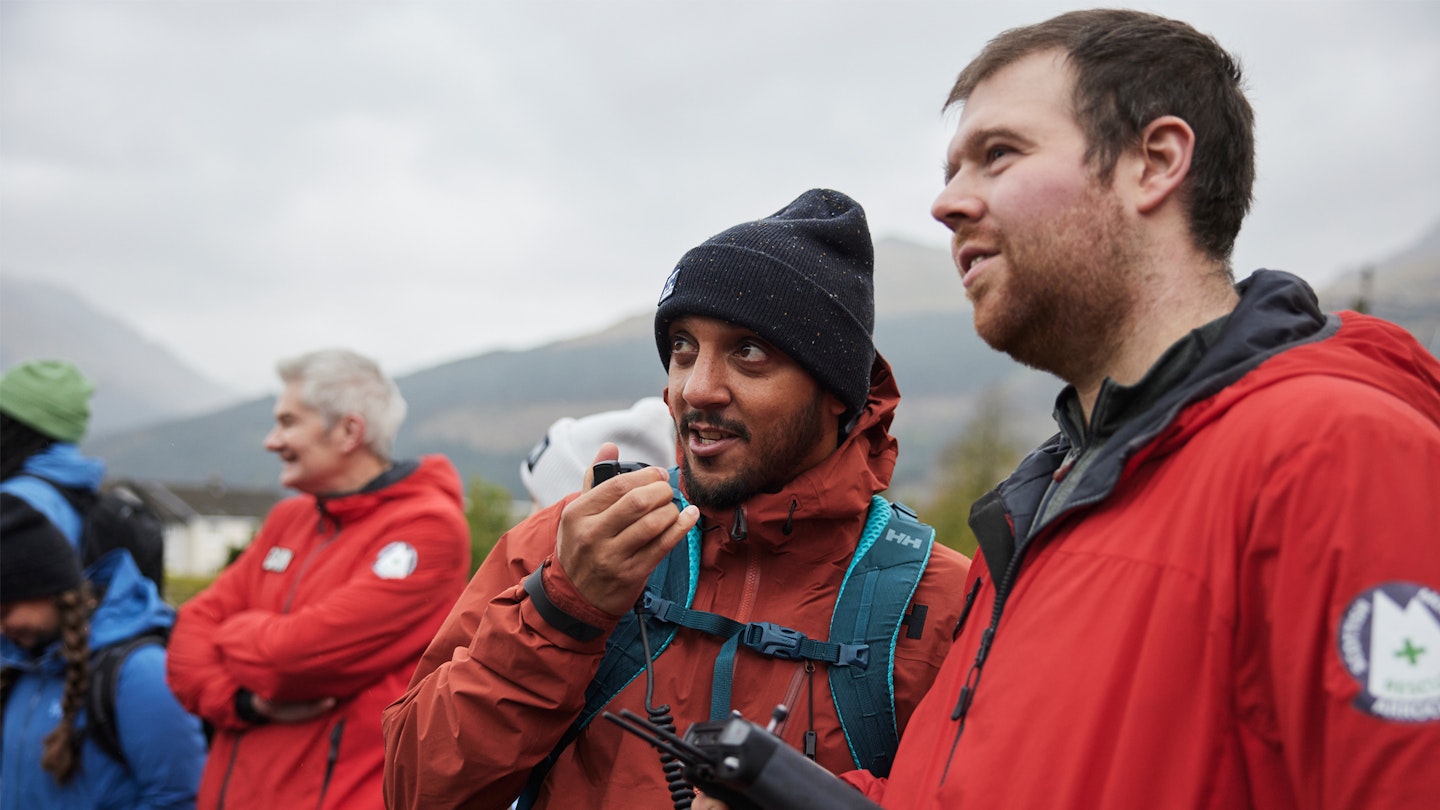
x: 1390, y: 643
x: 396, y: 561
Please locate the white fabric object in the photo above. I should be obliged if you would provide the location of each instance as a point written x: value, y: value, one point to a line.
x: 556, y: 466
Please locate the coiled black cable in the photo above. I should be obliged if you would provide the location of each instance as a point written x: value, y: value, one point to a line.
x: 681, y: 793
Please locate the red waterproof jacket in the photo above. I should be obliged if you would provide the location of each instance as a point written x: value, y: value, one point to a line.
x: 499, y: 685
x: 335, y: 597
x: 1237, y: 606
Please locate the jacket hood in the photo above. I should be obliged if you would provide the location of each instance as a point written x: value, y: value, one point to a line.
x: 406, y: 479
x: 1293, y: 339
x: 129, y: 606
x: 839, y: 487
x: 1277, y: 317
x: 63, y: 463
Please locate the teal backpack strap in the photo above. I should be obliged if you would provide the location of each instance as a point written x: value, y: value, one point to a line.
x: 778, y: 641
x: 673, y: 579
x: 871, y: 609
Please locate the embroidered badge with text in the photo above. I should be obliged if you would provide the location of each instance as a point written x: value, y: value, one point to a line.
x: 396, y: 561
x: 1390, y: 643
x: 277, y: 559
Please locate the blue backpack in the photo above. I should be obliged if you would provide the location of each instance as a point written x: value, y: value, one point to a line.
x: 870, y: 610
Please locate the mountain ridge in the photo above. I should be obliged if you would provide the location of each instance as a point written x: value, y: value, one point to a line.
x: 486, y: 411
x: 137, y: 381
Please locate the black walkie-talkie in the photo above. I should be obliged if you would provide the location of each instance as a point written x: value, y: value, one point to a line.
x: 747, y: 766
x: 605, y: 470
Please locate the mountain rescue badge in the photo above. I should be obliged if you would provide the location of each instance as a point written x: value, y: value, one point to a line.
x: 396, y: 561
x: 1390, y: 644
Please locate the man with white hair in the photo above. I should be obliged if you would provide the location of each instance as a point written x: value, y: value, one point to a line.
x: 294, y: 650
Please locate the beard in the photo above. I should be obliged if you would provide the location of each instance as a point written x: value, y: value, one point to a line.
x: 1067, y: 296
x: 777, y: 457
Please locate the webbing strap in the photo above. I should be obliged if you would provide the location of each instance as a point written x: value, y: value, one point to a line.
x: 766, y: 638
x: 723, y: 679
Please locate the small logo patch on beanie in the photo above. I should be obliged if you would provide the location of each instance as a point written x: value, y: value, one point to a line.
x: 669, y: 286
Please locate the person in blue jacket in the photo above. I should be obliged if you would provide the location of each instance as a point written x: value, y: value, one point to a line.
x: 53, y: 619
x: 44, y: 411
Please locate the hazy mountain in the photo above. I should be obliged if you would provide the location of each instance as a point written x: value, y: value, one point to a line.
x: 137, y: 382
x: 1404, y: 288
x: 487, y: 411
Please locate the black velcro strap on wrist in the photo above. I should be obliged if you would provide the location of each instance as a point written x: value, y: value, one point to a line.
x: 553, y: 615
x: 245, y: 708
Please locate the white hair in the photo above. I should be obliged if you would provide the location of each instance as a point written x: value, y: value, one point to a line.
x: 339, y: 382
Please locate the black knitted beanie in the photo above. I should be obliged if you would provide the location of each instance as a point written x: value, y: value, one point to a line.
x: 801, y: 278
x: 35, y: 558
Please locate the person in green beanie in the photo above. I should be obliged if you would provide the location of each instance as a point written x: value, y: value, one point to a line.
x: 44, y: 413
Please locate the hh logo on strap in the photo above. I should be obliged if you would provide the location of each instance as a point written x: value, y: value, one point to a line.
x: 1390, y: 643
x: 902, y: 538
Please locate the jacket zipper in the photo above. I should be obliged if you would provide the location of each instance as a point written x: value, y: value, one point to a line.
x: 331, y: 758
x: 987, y: 638
x: 229, y: 771
x: 305, y: 565
x: 289, y: 598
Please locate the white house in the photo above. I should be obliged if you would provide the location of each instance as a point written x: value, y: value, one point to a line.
x: 203, y: 523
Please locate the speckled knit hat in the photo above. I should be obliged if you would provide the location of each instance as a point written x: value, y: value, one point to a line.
x: 801, y: 278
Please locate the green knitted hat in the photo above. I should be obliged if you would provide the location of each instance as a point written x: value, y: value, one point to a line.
x: 51, y: 396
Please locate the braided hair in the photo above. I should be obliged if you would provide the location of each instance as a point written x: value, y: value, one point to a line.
x: 62, y: 745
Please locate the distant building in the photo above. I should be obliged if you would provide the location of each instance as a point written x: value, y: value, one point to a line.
x: 204, y: 522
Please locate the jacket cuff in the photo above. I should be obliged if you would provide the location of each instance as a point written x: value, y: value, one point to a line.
x: 245, y: 708
x: 553, y: 615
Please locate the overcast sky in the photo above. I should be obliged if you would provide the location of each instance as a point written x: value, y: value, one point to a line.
x: 426, y: 181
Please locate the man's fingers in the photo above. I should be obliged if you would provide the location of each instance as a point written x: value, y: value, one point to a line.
x: 649, y: 555
x: 608, y: 451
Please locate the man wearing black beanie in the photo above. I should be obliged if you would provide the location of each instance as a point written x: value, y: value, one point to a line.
x: 782, y: 408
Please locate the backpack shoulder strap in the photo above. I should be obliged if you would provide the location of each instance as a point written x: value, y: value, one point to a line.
x: 101, y: 698
x: 673, y: 580
x: 871, y: 608
x: 79, y: 498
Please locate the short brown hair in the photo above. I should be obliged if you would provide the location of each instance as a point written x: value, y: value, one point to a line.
x: 1131, y: 68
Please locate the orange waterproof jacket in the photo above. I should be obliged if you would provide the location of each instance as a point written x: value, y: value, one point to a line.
x: 499, y: 685
x: 335, y: 597
x: 1236, y: 608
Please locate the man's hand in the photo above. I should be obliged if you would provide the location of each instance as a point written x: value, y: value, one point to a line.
x: 614, y: 535
x: 296, y: 712
x: 703, y: 802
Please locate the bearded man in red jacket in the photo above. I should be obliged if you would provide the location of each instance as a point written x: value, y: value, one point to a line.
x: 296, y: 648
x: 783, y: 408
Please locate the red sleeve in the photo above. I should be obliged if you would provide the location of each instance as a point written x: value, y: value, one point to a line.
x: 497, y: 687
x: 360, y: 630
x: 868, y: 783
x: 1340, y: 688
x: 918, y: 661
x: 195, y: 665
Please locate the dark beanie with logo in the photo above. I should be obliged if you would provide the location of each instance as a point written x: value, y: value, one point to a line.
x: 802, y: 279
x: 35, y: 558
